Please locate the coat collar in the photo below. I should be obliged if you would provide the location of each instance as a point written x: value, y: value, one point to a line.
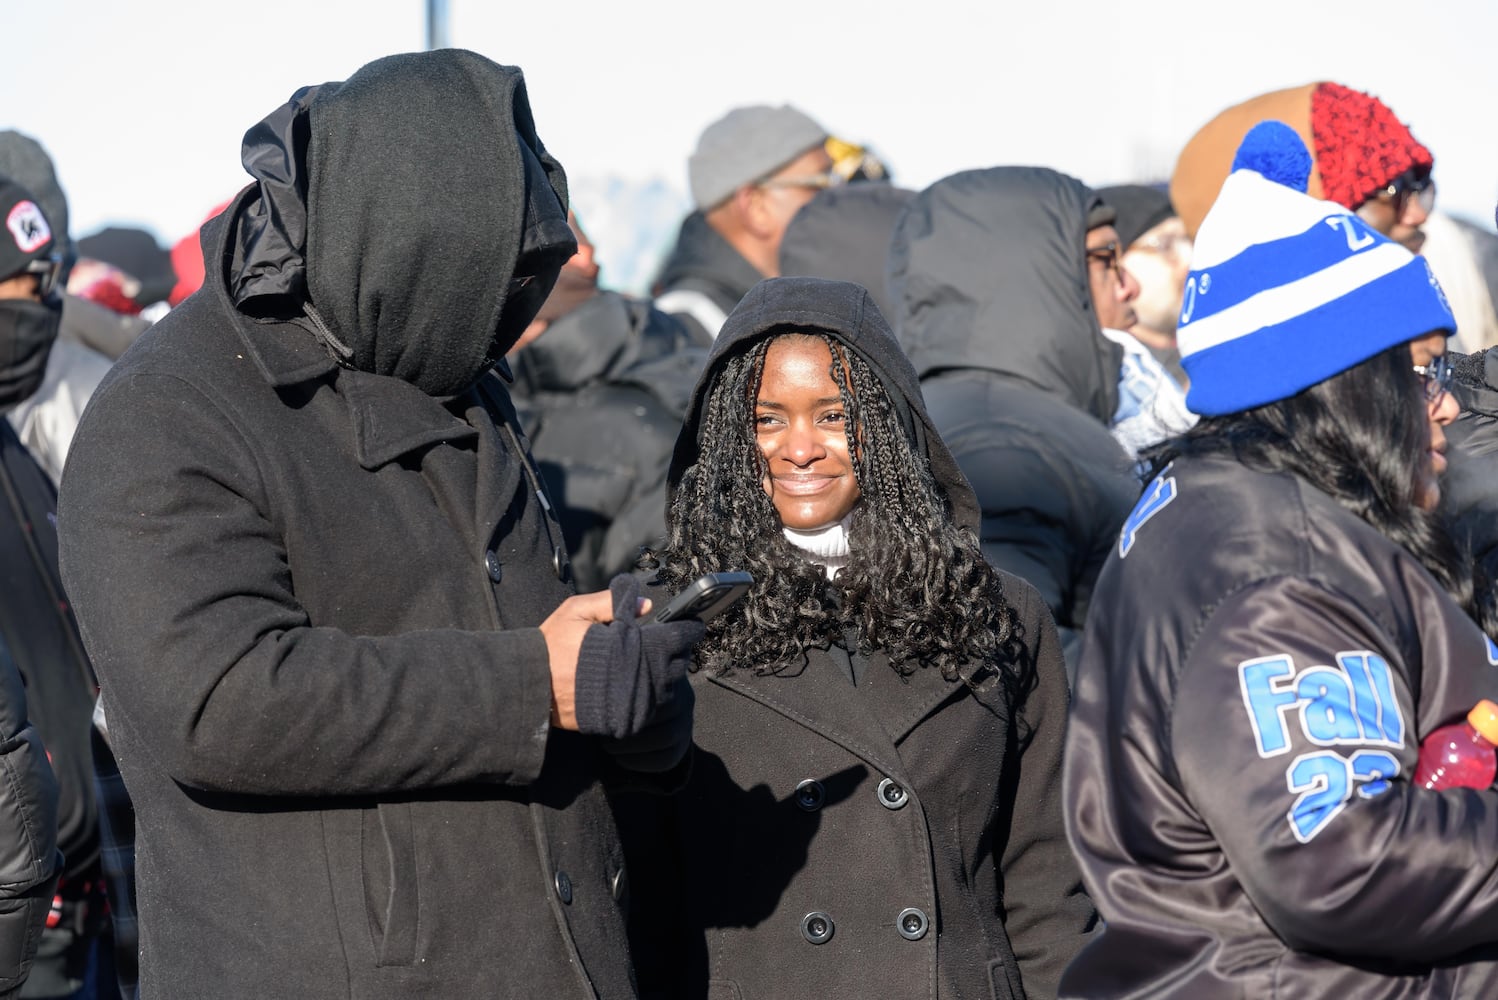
x: 869, y: 721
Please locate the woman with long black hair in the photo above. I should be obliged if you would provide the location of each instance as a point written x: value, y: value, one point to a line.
x: 874, y: 804
x: 1281, y: 624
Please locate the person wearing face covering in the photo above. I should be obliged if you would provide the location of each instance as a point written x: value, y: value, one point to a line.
x: 365, y: 722
x: 39, y: 635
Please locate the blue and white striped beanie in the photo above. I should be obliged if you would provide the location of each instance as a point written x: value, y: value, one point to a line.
x: 1286, y: 290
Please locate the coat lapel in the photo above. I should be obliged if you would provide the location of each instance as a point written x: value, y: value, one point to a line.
x: 392, y: 418
x: 868, y: 721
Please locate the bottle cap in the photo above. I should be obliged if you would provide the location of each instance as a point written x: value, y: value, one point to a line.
x: 1484, y: 719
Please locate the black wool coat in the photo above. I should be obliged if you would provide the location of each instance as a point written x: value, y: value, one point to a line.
x: 897, y: 837
x: 312, y: 594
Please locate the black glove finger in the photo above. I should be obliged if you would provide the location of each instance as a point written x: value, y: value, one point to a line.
x: 625, y: 590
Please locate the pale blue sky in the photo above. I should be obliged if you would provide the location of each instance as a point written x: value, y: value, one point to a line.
x: 142, y: 103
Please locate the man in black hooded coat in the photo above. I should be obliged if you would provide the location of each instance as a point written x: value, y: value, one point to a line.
x: 988, y: 276
x: 325, y: 595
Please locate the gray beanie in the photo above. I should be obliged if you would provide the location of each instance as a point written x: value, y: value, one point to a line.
x: 745, y: 145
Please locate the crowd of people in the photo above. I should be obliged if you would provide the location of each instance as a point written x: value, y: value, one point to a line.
x: 1112, y: 551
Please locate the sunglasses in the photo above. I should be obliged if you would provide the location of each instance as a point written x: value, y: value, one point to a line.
x: 1435, y: 378
x: 1416, y: 183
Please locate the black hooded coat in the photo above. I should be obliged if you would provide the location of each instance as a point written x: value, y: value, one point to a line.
x: 309, y: 561
x: 919, y: 816
x: 989, y: 280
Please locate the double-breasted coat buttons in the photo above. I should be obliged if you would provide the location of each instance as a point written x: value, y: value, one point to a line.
x: 892, y: 794
x: 810, y: 795
x: 492, y: 566
x: 564, y: 887
x: 912, y: 923
x: 817, y: 927
x: 618, y: 885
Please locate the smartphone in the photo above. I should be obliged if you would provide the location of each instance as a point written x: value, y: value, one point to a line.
x: 706, y: 597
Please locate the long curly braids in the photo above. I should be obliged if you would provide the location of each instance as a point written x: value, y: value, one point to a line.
x: 916, y: 586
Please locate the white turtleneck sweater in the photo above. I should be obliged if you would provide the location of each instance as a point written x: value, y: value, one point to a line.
x: 828, y: 547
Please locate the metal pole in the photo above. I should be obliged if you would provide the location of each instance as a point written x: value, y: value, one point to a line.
x: 437, y: 24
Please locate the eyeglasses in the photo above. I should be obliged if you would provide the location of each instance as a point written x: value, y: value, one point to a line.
x: 1168, y: 245
x: 1435, y: 378
x: 47, y: 269
x: 818, y: 182
x: 1416, y: 183
x: 1106, y: 255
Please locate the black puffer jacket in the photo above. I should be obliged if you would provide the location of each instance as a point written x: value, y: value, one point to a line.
x: 37, y: 627
x: 1469, y: 490
x: 312, y: 588
x: 919, y: 816
x: 702, y: 279
x: 29, y: 862
x: 844, y: 233
x: 601, y: 395
x: 989, y: 280
x: 1260, y: 668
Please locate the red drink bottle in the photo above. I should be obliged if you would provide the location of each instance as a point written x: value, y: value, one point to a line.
x: 1462, y: 754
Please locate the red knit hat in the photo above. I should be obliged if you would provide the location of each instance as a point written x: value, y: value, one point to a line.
x: 1360, y: 145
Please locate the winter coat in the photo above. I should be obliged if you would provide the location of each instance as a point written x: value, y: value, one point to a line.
x: 1469, y: 490
x: 897, y: 837
x: 37, y: 627
x: 702, y: 279
x: 989, y: 277
x: 312, y: 588
x: 29, y: 861
x: 601, y: 395
x: 844, y: 233
x: 1260, y: 668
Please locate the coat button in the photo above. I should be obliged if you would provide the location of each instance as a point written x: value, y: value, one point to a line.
x: 564, y: 887
x: 892, y: 794
x: 617, y: 885
x: 810, y: 795
x: 816, y: 927
x: 912, y: 924
x: 491, y: 565
x: 560, y: 565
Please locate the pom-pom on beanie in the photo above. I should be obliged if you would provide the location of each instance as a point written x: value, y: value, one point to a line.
x: 1358, y: 146
x: 1287, y: 290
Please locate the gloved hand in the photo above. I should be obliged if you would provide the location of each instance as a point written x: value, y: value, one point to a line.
x: 628, y: 673
x: 664, y: 741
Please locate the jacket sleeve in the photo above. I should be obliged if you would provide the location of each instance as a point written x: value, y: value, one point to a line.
x: 29, y: 860
x: 171, y: 554
x: 1294, y: 734
x: 1048, y: 914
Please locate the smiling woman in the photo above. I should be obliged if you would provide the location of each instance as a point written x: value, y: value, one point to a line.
x: 878, y: 724
x: 801, y: 427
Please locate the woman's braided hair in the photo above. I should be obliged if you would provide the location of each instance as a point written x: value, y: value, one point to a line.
x: 916, y: 587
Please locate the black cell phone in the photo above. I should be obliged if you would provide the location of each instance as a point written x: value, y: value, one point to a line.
x: 706, y: 597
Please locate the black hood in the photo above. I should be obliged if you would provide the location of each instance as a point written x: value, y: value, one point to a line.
x: 396, y: 210
x: 848, y: 313
x: 844, y: 233
x: 987, y: 270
